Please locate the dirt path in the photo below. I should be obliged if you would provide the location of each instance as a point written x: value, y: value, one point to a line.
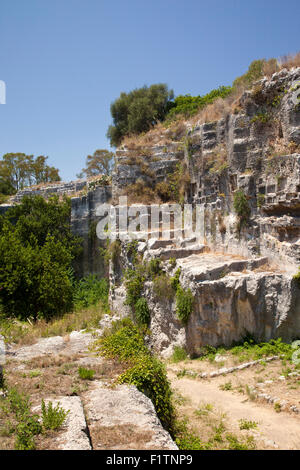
x: 274, y: 430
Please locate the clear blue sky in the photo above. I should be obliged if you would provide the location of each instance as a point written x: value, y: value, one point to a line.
x: 65, y: 61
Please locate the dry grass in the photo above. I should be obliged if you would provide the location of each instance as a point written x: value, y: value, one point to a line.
x: 290, y: 61
x: 118, y: 437
x: 279, y: 147
x: 23, y: 333
x: 158, y: 135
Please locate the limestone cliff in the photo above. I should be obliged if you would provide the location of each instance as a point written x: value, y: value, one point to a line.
x: 243, y: 173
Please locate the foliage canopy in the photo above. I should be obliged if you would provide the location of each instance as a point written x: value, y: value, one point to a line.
x: 135, y: 112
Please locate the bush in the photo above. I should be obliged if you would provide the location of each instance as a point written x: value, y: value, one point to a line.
x: 154, y: 267
x: 162, y: 287
x: 135, y: 112
x: 134, y: 284
x: 86, y: 374
x: 142, y: 312
x: 179, y: 354
x: 241, y: 206
x: 187, y: 105
x: 28, y: 424
x: 53, y: 417
x: 125, y: 343
x: 89, y: 291
x: 184, y: 304
x: 36, y: 254
x: 175, y: 279
x: 149, y: 376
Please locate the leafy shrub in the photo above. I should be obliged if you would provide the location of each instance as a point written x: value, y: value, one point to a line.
x: 28, y: 424
x: 36, y: 254
x: 241, y: 206
x: 132, y: 250
x: 89, y: 291
x: 142, y: 312
x: 135, y: 112
x: 134, y: 284
x: 53, y: 417
x: 175, y: 279
x: 154, y: 267
x: 187, y: 105
x: 86, y: 374
x: 184, y: 304
x: 179, y: 354
x: 162, y: 287
x: 148, y: 374
x: 125, y: 343
x: 25, y: 432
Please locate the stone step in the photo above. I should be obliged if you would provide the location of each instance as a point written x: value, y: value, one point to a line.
x: 177, y: 253
x: 210, y: 266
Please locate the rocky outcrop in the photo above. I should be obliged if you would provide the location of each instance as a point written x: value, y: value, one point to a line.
x: 234, y: 297
x: 51, y: 189
x: 255, y: 150
x: 83, y: 224
x: 124, y: 406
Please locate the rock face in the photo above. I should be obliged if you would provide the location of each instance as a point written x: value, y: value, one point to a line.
x: 233, y: 297
x: 251, y: 155
x: 60, y: 188
x: 255, y: 150
x: 126, y: 406
x: 83, y: 224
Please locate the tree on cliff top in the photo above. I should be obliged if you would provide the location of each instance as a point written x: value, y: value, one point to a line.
x: 100, y: 163
x: 137, y: 111
x: 18, y: 170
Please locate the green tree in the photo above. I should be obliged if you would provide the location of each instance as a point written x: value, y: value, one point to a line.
x: 18, y: 170
x: 137, y: 111
x: 100, y: 163
x: 36, y: 253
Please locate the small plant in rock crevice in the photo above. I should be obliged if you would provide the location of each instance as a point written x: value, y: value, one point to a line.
x: 184, y: 304
x: 142, y: 312
x: 53, y: 417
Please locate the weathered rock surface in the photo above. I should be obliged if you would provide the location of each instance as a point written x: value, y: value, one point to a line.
x: 125, y: 406
x: 76, y: 342
x: 75, y: 434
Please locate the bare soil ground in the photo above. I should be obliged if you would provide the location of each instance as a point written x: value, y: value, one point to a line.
x: 217, y: 406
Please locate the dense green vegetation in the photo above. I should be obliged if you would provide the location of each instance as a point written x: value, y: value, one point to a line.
x: 18, y: 170
x: 187, y: 105
x: 138, y: 110
x: 125, y: 342
x: 250, y: 350
x: 89, y: 291
x: 24, y: 424
x: 37, y: 249
x: 36, y: 253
